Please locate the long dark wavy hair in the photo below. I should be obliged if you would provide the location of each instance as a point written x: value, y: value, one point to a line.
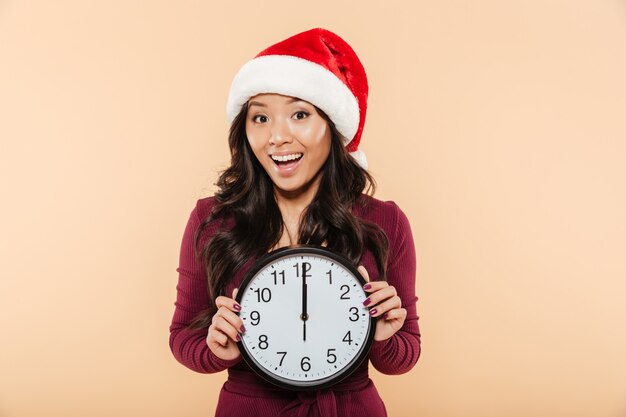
x: 246, y: 192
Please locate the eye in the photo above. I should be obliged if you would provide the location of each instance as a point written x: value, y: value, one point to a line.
x: 301, y: 113
x: 255, y: 118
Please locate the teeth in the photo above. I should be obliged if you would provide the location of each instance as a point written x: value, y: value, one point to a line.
x: 284, y: 158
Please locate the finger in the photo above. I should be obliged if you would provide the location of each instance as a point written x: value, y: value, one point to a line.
x: 387, y: 305
x: 380, y: 295
x: 232, y: 318
x: 363, y: 272
x: 235, y: 291
x: 216, y: 337
x: 229, y: 303
x: 225, y: 327
x: 374, y: 286
x: 396, y: 313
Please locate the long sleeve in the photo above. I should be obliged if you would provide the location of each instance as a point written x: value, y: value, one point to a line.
x: 400, y: 352
x: 189, y: 347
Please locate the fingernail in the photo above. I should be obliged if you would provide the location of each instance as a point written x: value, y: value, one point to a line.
x: 367, y: 286
x: 386, y: 316
x: 238, y: 337
x: 237, y: 307
x: 243, y: 329
x: 367, y: 302
x: 373, y: 311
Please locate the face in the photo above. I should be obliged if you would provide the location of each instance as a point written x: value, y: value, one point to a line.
x: 290, y: 139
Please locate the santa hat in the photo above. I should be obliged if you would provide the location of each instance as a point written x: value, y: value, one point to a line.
x: 316, y: 66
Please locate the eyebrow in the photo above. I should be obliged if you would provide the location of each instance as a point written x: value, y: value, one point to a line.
x: 256, y: 103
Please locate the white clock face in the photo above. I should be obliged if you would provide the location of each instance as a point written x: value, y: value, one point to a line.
x: 305, y: 320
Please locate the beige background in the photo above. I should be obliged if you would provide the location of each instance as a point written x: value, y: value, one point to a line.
x: 498, y: 126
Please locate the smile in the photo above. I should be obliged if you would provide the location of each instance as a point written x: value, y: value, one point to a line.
x: 287, y: 165
x: 286, y: 158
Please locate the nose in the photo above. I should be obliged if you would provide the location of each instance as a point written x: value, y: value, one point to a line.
x: 280, y: 134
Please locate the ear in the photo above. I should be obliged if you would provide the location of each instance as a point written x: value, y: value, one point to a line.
x: 363, y: 272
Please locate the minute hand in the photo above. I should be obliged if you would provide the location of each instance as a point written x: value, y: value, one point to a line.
x: 304, y: 315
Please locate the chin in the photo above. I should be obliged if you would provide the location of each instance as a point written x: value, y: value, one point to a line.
x: 291, y: 186
x: 288, y: 188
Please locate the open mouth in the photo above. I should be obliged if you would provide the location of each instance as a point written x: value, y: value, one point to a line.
x: 283, y: 160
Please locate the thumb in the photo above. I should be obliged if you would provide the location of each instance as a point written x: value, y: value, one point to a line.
x: 363, y: 272
x: 235, y: 291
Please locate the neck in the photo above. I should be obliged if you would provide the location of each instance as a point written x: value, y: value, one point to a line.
x: 293, y: 203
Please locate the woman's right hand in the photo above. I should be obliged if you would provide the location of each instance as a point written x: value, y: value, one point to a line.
x: 225, y: 328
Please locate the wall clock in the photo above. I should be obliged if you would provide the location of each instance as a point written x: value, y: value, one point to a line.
x: 306, y: 326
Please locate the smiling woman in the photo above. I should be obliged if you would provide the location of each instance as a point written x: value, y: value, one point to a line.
x: 296, y: 177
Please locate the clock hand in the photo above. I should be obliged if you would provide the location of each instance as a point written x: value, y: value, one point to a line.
x: 304, y: 315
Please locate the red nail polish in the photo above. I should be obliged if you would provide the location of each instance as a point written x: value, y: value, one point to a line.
x: 238, y: 337
x: 386, y: 316
x: 237, y: 307
x: 367, y: 286
x: 367, y: 302
x: 243, y: 329
x: 373, y: 311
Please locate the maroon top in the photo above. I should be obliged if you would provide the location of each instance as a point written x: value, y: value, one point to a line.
x: 245, y: 393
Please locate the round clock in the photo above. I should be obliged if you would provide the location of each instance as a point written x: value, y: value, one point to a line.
x: 306, y: 326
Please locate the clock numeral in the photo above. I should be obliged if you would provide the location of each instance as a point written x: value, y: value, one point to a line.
x: 264, y: 294
x: 283, y: 358
x: 263, y: 342
x: 329, y: 354
x: 355, y: 314
x: 306, y: 267
x: 344, y: 296
x: 275, y: 275
x: 305, y: 364
x: 330, y: 276
x: 347, y: 338
x: 255, y: 317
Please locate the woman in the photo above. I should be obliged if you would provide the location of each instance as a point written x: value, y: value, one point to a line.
x: 296, y: 176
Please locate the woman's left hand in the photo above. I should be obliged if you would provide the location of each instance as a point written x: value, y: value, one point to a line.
x: 383, y: 302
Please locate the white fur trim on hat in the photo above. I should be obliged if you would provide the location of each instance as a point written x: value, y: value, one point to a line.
x: 360, y: 158
x: 292, y: 76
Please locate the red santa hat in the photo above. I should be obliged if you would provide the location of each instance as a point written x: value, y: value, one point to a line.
x: 317, y: 66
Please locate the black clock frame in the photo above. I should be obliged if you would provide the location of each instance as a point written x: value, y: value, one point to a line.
x: 324, y: 382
